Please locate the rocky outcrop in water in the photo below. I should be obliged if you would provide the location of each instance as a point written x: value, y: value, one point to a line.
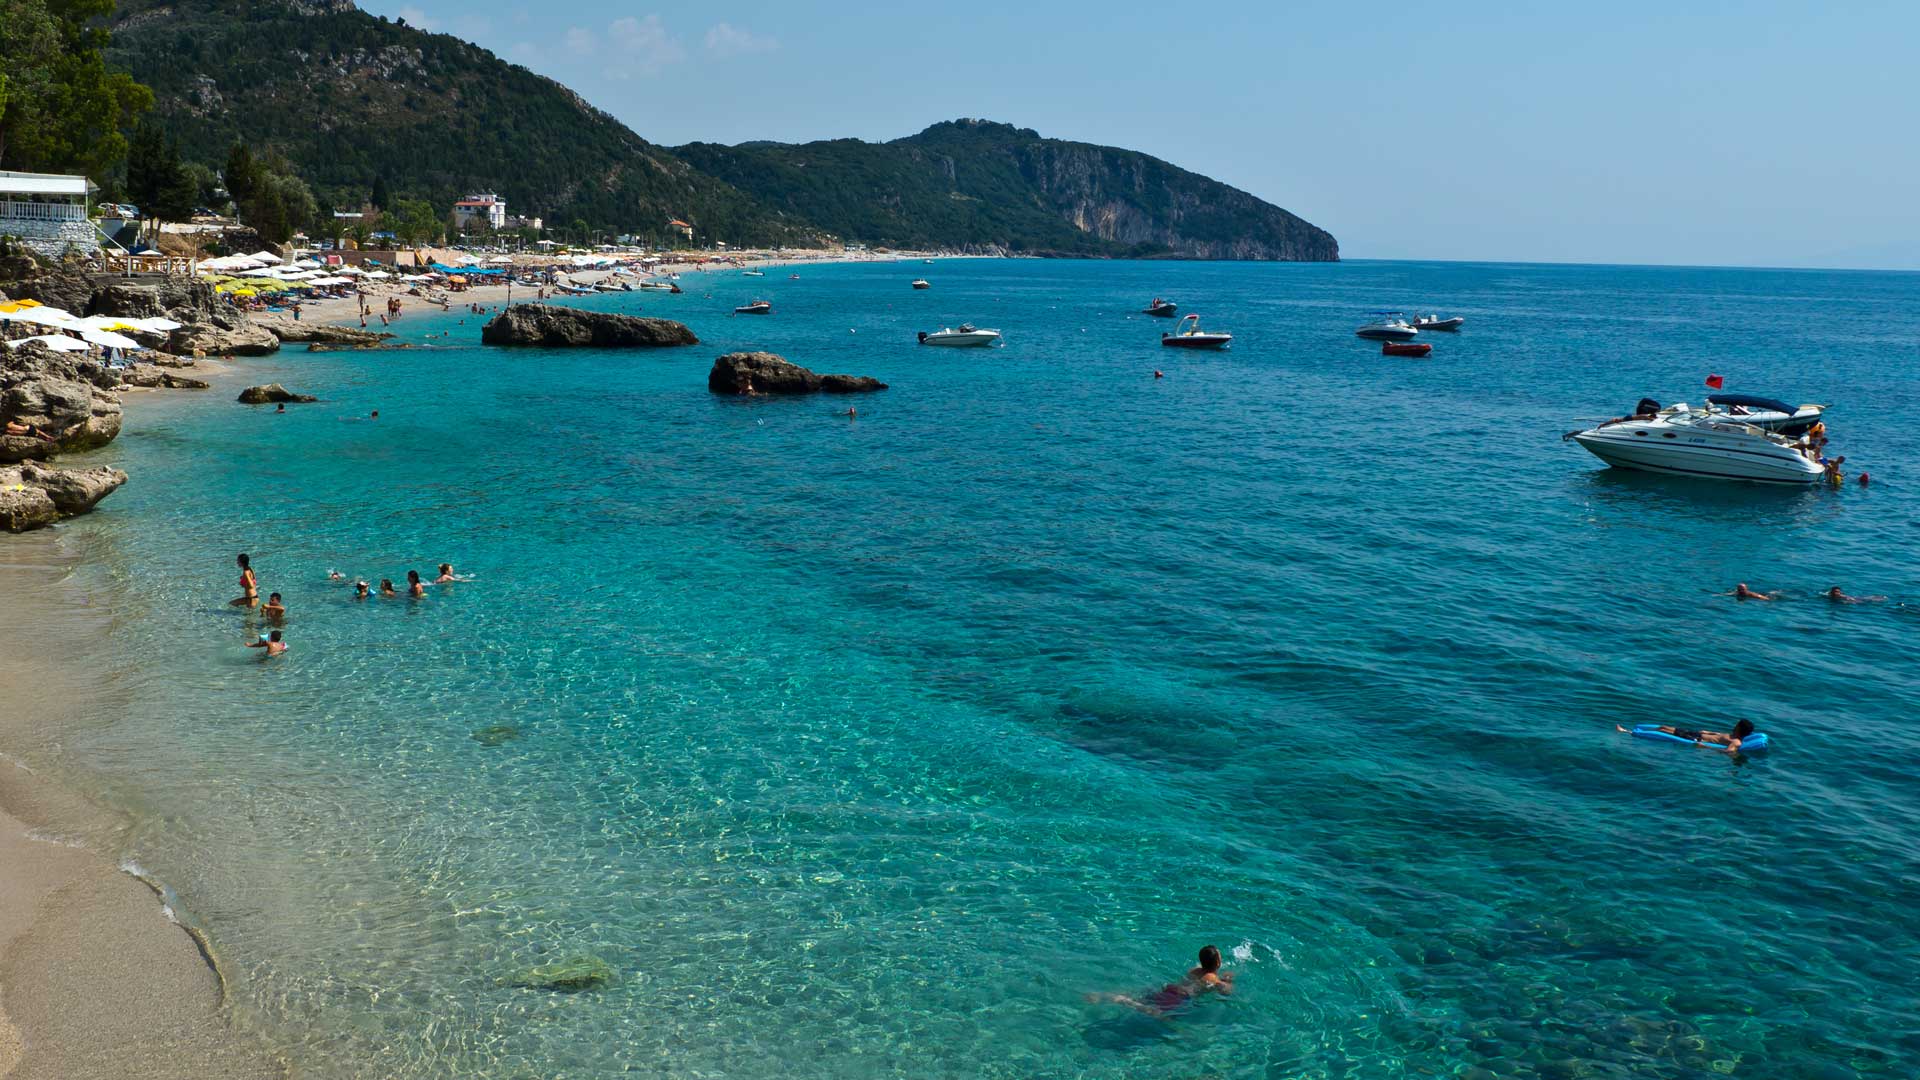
x: 542, y: 324
x: 318, y: 333
x: 34, y: 495
x: 225, y: 337
x: 270, y: 393
x: 66, y: 402
x: 569, y: 976
x: 766, y: 373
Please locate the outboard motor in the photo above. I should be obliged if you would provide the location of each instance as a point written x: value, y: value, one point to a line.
x: 1647, y: 407
x: 923, y: 337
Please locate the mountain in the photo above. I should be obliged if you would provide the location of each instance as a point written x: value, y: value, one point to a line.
x: 974, y: 184
x: 347, y: 96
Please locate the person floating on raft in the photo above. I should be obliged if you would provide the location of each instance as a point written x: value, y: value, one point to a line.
x: 1727, y: 742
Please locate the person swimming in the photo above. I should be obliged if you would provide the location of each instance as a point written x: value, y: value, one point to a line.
x: 446, y: 574
x: 271, y: 643
x: 1834, y: 594
x: 273, y: 609
x: 1203, y: 978
x: 360, y: 590
x: 249, y: 585
x: 414, y: 589
x: 1741, y: 592
x: 386, y: 587
x: 1725, y: 741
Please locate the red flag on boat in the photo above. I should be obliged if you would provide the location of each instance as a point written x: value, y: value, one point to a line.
x: 1715, y: 381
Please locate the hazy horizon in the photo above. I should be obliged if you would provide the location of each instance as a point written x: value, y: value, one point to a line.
x: 1468, y: 133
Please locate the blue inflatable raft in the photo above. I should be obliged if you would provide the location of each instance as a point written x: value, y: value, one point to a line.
x: 1755, y: 743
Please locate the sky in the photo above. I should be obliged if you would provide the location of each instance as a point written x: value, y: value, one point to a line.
x: 1757, y: 134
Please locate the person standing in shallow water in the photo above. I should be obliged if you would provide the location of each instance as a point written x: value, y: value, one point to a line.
x: 249, y: 585
x: 1203, y: 978
x: 414, y: 588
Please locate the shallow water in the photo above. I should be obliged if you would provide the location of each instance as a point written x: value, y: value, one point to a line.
x: 867, y: 747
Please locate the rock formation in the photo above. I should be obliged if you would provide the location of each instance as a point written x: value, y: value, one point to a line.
x: 34, y: 495
x: 542, y: 324
x: 64, y: 399
x: 316, y: 332
x: 239, y: 337
x: 765, y: 373
x: 270, y: 393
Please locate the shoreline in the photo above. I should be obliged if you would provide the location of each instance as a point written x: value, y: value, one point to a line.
x: 99, y: 976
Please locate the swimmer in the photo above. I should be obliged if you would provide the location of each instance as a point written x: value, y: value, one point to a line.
x: 271, y: 643
x: 853, y: 414
x: 375, y: 415
x: 335, y: 575
x: 1834, y: 594
x: 273, y: 609
x: 282, y: 408
x: 1205, y: 977
x: 414, y: 588
x: 248, y: 585
x: 1865, y: 479
x: 360, y: 590
x: 386, y: 587
x: 1724, y: 741
x: 1159, y: 374
x: 1741, y: 592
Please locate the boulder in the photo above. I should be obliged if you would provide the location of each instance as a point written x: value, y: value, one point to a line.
x: 32, y: 496
x: 542, y: 324
x: 765, y: 373
x: 323, y: 333
x: 568, y: 976
x: 238, y: 337
x: 64, y: 398
x: 270, y: 393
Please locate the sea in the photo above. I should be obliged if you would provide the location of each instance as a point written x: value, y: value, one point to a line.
x: 805, y: 744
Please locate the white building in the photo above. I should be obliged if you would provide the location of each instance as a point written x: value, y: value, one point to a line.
x: 483, y: 209
x: 47, y: 212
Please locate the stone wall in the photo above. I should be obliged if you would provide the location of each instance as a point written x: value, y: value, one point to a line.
x: 51, y: 238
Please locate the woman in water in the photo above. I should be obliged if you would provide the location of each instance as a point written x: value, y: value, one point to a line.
x: 1725, y: 741
x: 1204, y: 977
x: 446, y: 574
x: 414, y: 588
x: 249, y: 585
x: 386, y: 587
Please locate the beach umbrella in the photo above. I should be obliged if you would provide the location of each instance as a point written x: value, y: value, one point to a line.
x: 40, y: 315
x: 266, y: 257
x: 108, y: 339
x: 243, y: 292
x: 58, y: 342
x: 19, y: 305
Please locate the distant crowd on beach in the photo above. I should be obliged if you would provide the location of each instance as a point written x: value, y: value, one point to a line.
x: 274, y: 610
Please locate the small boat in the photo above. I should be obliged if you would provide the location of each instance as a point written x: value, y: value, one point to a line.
x: 574, y: 290
x: 921, y: 283
x: 964, y: 336
x: 660, y: 286
x: 758, y: 307
x: 1164, y: 309
x: 1405, y: 348
x: 1680, y: 442
x: 1387, y: 326
x: 1192, y: 337
x: 1765, y: 412
x: 793, y: 277
x: 1435, y: 322
x: 753, y: 273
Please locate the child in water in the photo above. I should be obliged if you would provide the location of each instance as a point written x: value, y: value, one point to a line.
x: 271, y: 643
x: 1205, y: 977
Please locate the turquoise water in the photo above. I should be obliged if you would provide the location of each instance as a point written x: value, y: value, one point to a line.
x: 866, y: 748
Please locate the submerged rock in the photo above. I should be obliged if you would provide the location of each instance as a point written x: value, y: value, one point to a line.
x: 495, y: 734
x: 270, y: 393
x: 32, y: 496
x: 542, y: 324
x: 568, y: 976
x: 766, y: 373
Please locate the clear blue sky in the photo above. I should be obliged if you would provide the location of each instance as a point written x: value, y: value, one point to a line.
x: 1767, y: 133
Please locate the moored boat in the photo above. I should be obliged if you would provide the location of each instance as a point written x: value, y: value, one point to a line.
x: 1765, y: 412
x: 1190, y: 336
x: 753, y: 273
x: 1435, y: 322
x: 1164, y: 309
x: 1681, y: 442
x: 921, y: 283
x: 966, y: 335
x: 1387, y: 326
x: 758, y: 307
x: 1405, y: 348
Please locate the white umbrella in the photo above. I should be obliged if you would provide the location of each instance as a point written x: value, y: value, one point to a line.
x: 108, y: 339
x: 379, y: 275
x: 155, y: 325
x: 500, y: 259
x: 57, y: 342
x: 264, y: 271
x: 266, y: 257
x: 39, y: 316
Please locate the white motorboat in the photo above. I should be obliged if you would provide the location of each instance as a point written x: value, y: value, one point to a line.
x: 966, y: 335
x: 1190, y: 336
x: 1678, y: 441
x: 753, y: 273
x: 1387, y: 326
x: 921, y: 283
x: 1435, y: 322
x: 1765, y: 412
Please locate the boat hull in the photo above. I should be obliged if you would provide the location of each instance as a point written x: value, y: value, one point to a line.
x: 1441, y: 324
x: 1405, y: 348
x: 1386, y: 333
x: 960, y: 341
x: 1196, y: 341
x: 1706, y: 457
x: 1164, y: 311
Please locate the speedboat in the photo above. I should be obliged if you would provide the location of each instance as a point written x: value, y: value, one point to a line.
x: 660, y: 286
x: 753, y: 273
x: 966, y: 335
x: 1164, y: 309
x: 758, y: 307
x: 1190, y: 336
x: 1405, y: 348
x: 1435, y: 322
x: 1678, y: 441
x: 1387, y: 326
x: 921, y: 283
x: 1765, y: 412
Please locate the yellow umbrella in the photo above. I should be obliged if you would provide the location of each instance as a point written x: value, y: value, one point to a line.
x: 243, y: 292
x: 19, y: 305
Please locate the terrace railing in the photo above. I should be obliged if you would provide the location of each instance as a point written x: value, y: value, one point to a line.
x: 40, y: 211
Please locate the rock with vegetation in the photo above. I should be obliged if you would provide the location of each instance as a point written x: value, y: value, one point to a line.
x: 63, y: 399
x: 544, y: 324
x: 568, y: 976
x: 272, y: 392
x: 33, y: 496
x: 766, y: 373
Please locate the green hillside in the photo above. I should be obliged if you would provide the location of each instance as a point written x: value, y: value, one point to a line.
x: 972, y: 183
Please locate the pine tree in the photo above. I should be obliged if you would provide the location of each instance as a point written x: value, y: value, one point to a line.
x: 380, y: 198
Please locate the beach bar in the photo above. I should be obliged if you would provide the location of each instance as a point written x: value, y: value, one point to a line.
x: 47, y: 212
